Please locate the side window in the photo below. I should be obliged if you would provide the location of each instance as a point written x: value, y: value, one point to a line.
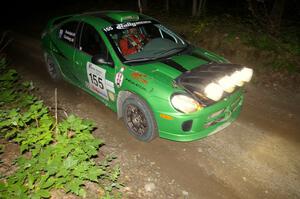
x: 67, y: 32
x: 151, y: 31
x: 91, y: 42
x: 167, y: 36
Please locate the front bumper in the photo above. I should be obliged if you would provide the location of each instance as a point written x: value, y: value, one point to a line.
x: 209, y: 120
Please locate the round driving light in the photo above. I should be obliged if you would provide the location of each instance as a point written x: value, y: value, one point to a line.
x: 213, y: 91
x: 236, y: 77
x: 246, y: 74
x: 227, y: 84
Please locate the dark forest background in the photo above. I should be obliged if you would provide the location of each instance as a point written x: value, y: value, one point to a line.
x: 262, y: 33
x: 271, y: 14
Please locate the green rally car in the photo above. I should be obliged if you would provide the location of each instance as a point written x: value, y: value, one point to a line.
x: 160, y: 84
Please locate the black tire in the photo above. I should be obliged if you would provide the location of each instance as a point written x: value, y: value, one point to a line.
x: 139, y: 119
x: 52, y: 68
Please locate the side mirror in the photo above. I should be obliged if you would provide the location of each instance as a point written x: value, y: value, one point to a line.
x: 99, y: 60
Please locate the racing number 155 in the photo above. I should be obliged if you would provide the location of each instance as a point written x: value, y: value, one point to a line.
x: 96, y: 80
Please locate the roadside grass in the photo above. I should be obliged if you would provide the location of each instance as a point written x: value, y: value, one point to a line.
x: 54, y: 155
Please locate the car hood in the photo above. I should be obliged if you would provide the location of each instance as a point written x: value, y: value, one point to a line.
x: 172, y: 67
x: 190, y: 71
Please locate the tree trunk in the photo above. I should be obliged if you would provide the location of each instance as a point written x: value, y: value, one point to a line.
x: 140, y: 6
x: 199, y: 9
x: 203, y: 7
x: 276, y: 16
x: 145, y: 5
x: 269, y: 19
x: 194, y: 8
x: 253, y: 9
x: 167, y: 6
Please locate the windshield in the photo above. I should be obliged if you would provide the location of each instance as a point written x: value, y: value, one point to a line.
x: 144, y: 40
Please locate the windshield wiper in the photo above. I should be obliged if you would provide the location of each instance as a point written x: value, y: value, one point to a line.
x: 171, y: 51
x: 139, y: 59
x: 161, y: 54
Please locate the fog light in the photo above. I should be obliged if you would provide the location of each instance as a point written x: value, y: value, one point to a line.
x: 187, y: 125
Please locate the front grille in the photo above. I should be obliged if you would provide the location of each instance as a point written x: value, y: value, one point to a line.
x: 223, y: 114
x: 235, y: 104
x: 211, y: 123
x: 215, y: 114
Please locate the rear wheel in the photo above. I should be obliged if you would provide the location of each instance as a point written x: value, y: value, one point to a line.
x: 139, y: 119
x: 52, y: 68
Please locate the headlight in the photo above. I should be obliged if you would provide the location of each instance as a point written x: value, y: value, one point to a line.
x: 237, y: 78
x: 227, y: 84
x: 246, y: 74
x: 185, y: 103
x: 213, y: 91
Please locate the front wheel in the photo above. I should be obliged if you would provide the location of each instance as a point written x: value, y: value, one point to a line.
x: 139, y: 119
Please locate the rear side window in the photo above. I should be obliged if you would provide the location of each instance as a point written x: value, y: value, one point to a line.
x: 91, y: 42
x: 67, y: 32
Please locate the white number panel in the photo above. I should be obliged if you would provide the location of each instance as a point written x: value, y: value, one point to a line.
x: 97, y: 81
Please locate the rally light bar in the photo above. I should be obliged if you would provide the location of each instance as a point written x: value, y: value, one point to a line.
x: 212, y: 82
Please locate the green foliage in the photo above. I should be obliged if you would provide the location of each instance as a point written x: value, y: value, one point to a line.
x: 200, y: 26
x: 280, y: 64
x: 261, y: 41
x: 231, y: 35
x: 1, y: 148
x: 57, y: 157
x: 60, y: 165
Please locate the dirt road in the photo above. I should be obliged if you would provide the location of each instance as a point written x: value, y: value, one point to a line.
x: 256, y: 157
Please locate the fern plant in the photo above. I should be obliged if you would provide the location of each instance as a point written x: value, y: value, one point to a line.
x: 53, y: 157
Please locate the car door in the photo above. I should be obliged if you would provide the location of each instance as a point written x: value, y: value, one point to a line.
x: 63, y: 47
x: 97, y: 77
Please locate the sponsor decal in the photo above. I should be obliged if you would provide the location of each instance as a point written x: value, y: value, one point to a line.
x: 107, y: 29
x: 139, y: 77
x: 122, y: 26
x: 72, y: 34
x: 110, y: 86
x: 131, y: 24
x: 136, y: 84
x: 96, y: 77
x: 111, y: 96
x: 119, y: 78
x: 66, y: 37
